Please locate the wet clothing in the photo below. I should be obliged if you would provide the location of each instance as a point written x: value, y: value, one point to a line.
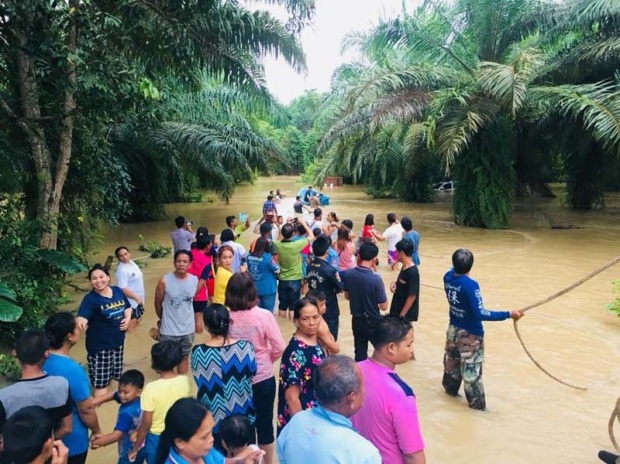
x: 463, y: 359
x: 414, y: 237
x: 464, y: 351
x: 298, y: 207
x: 408, y: 283
x: 466, y: 309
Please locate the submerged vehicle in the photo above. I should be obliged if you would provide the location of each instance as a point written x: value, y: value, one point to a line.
x: 445, y: 186
x: 323, y: 199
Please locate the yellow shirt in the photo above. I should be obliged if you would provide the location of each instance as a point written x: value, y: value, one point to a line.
x: 222, y: 276
x: 158, y: 396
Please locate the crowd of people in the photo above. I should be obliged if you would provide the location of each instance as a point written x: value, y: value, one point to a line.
x: 330, y: 407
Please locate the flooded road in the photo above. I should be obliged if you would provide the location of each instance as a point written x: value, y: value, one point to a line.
x: 530, y: 418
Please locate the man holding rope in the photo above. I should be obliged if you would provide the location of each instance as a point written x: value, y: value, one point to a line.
x: 464, y: 353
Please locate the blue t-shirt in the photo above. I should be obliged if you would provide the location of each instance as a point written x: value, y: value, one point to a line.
x: 104, y: 320
x: 79, y: 390
x: 213, y: 457
x: 415, y: 239
x: 263, y: 271
x: 333, y: 259
x: 466, y: 309
x: 127, y: 421
x: 366, y: 291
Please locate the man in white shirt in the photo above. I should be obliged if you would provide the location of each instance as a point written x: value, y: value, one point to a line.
x: 392, y: 235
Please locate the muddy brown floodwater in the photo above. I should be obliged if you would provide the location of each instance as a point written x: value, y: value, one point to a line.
x: 530, y: 418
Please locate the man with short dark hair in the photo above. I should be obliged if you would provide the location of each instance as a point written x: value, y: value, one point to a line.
x: 237, y: 229
x: 322, y: 276
x: 366, y: 294
x: 464, y: 352
x: 392, y: 236
x: 269, y: 209
x: 413, y: 235
x: 289, y: 258
x: 389, y: 416
x: 183, y: 236
x: 35, y: 387
x: 406, y: 289
x: 324, y: 433
x: 316, y: 222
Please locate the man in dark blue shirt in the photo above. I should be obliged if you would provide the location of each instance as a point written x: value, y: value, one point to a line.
x: 320, y: 275
x: 366, y: 294
x: 464, y: 353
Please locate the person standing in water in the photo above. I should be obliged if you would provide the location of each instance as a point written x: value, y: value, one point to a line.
x: 464, y: 352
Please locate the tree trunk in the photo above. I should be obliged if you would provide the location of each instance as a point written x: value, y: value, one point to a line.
x: 50, y: 238
x: 35, y: 135
x: 49, y: 191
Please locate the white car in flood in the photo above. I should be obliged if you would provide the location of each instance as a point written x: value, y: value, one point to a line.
x: 446, y: 186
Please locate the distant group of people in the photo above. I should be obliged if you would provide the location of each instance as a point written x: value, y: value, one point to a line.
x: 329, y: 407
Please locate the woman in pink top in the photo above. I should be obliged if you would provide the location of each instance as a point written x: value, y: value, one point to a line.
x: 345, y: 249
x: 200, y: 260
x: 259, y: 327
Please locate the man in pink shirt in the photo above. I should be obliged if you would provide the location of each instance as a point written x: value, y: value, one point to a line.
x: 389, y: 415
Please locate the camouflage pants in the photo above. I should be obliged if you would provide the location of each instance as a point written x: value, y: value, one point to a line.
x: 463, y: 361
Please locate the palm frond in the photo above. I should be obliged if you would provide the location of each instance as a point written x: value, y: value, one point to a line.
x: 596, y: 105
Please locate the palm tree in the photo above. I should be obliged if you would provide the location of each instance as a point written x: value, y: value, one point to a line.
x: 478, y: 76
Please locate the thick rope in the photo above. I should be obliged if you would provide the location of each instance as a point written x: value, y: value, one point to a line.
x: 565, y: 290
x: 615, y: 414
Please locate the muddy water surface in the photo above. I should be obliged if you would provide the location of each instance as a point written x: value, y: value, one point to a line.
x: 530, y: 418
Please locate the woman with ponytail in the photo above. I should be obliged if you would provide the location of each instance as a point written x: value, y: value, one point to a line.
x: 223, y: 369
x: 188, y: 437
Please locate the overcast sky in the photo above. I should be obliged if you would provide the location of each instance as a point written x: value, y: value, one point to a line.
x: 322, y: 40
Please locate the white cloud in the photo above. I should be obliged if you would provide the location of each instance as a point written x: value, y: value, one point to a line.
x: 322, y: 41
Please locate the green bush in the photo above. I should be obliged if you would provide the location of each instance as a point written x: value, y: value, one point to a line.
x: 31, y: 279
x: 155, y: 249
x: 614, y: 306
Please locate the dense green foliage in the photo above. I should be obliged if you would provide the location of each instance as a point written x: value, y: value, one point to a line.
x: 109, y: 108
x: 500, y: 95
x: 614, y: 306
x: 101, y: 100
x: 31, y: 278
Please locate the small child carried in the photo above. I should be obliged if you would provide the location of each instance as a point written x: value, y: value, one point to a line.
x: 323, y: 335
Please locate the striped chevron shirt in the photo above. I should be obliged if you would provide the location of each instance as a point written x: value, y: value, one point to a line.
x: 223, y: 375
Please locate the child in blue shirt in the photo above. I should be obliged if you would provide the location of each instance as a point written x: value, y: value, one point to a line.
x: 129, y: 415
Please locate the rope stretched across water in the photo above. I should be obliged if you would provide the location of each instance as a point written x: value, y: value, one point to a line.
x: 615, y: 414
x: 565, y: 290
